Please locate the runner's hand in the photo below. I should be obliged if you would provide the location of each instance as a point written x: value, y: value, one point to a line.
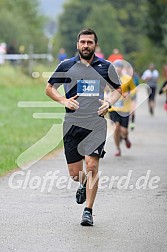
x: 104, y: 108
x: 71, y: 103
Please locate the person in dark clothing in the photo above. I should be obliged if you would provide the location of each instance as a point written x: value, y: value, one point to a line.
x: 162, y: 90
x: 85, y: 78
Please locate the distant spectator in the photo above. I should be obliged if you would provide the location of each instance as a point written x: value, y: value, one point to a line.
x: 116, y: 55
x: 21, y: 49
x: 164, y: 70
x: 99, y: 53
x: 2, y: 52
x: 62, y: 55
x: 150, y: 76
x: 162, y: 90
x: 11, y: 49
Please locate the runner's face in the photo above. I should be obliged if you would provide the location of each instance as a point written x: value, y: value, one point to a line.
x: 86, y: 46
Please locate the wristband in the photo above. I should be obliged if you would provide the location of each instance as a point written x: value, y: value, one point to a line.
x: 109, y: 104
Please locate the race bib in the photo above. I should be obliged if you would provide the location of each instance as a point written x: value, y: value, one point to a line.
x: 88, y: 87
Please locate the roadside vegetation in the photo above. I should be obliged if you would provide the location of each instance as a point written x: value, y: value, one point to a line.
x: 18, y: 129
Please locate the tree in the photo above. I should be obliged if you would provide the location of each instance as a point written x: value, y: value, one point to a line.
x: 70, y: 22
x: 156, y: 26
x: 21, y: 24
x: 107, y: 27
x: 78, y: 14
x: 132, y: 26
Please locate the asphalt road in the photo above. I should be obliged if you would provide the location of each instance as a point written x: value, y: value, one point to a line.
x: 130, y: 214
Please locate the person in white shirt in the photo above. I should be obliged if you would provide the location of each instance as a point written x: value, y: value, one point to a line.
x: 150, y: 76
x: 2, y: 52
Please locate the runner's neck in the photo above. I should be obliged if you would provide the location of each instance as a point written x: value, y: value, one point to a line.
x: 87, y: 62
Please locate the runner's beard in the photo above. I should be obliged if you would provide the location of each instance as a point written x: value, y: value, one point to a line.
x: 87, y: 56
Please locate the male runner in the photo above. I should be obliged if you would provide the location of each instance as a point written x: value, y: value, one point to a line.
x: 84, y: 78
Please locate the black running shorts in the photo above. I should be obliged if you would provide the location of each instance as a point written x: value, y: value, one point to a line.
x: 82, y: 139
x: 122, y: 119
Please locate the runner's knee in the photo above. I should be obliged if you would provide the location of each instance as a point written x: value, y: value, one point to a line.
x: 74, y: 174
x: 92, y: 166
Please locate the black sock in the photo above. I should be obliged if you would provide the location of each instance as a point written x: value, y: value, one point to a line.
x: 84, y: 184
x: 88, y: 209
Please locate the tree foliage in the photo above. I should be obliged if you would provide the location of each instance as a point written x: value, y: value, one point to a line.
x: 117, y: 24
x: 70, y: 22
x: 21, y: 24
x: 156, y: 27
x: 128, y: 25
x: 131, y: 26
x: 99, y: 15
x: 108, y: 38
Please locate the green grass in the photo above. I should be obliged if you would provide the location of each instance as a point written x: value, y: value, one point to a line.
x: 18, y: 129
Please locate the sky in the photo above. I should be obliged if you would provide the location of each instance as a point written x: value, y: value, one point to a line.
x: 51, y: 7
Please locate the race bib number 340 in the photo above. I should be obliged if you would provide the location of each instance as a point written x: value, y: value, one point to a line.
x: 88, y: 87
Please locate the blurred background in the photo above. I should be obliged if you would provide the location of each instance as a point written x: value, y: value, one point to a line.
x: 138, y: 28
x: 36, y: 34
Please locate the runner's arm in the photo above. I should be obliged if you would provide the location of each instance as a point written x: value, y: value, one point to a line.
x: 115, y: 95
x: 53, y: 93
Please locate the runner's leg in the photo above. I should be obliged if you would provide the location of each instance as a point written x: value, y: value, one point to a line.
x: 76, y: 171
x: 92, y: 164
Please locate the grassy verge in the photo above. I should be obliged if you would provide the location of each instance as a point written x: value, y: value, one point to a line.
x: 18, y: 129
